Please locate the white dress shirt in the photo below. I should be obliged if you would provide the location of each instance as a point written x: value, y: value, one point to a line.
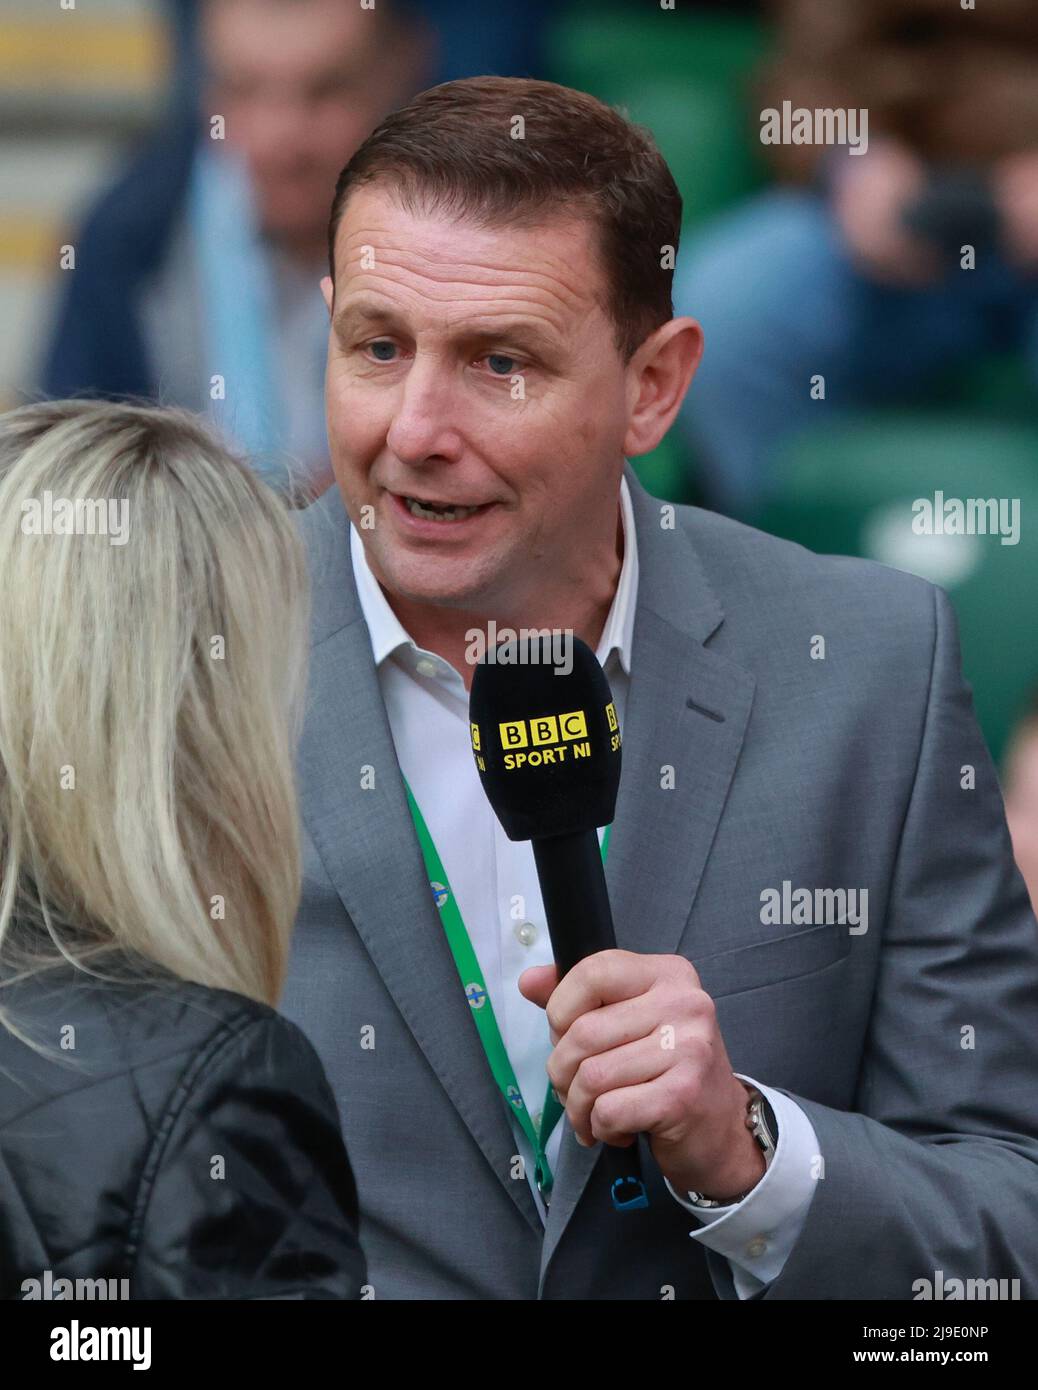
x: 494, y: 881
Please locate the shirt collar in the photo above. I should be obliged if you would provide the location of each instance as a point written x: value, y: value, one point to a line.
x: 388, y: 634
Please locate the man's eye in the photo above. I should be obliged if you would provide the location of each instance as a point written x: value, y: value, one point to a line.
x: 500, y: 364
x: 382, y: 351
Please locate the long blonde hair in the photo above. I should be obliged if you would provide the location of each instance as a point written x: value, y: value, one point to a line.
x: 151, y: 689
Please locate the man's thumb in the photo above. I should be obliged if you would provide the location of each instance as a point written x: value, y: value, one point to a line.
x: 538, y: 983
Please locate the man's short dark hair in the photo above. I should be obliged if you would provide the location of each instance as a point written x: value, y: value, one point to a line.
x: 455, y: 148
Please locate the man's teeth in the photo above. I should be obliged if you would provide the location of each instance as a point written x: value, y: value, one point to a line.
x: 416, y: 508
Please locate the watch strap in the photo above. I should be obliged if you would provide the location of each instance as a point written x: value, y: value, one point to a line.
x: 760, y: 1118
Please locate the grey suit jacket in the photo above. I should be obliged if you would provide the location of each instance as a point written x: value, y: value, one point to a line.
x: 911, y: 1046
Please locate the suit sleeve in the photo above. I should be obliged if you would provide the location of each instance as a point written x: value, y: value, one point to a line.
x: 934, y: 1175
x: 248, y: 1192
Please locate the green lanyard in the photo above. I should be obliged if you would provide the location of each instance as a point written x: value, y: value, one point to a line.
x: 479, y: 1002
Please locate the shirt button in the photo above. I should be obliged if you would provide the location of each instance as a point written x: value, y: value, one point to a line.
x: 425, y: 667
x: 756, y: 1247
x: 526, y: 933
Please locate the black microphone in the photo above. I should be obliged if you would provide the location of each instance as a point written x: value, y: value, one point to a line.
x: 546, y: 741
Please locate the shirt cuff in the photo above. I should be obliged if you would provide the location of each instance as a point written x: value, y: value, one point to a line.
x: 756, y: 1235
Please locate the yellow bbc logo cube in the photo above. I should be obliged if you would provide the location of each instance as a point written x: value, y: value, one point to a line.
x: 573, y: 725
x: 474, y: 729
x: 513, y: 734
x: 544, y: 730
x: 611, y: 716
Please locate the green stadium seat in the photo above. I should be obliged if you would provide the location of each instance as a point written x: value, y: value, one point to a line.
x: 849, y: 489
x: 683, y: 76
x: 1000, y: 385
x: 667, y: 471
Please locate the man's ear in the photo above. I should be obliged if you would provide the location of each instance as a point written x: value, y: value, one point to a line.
x: 328, y: 290
x: 658, y: 375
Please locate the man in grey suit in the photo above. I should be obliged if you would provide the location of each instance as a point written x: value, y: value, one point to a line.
x: 820, y: 1025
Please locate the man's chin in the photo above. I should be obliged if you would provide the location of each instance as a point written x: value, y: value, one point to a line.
x: 423, y: 583
x: 436, y: 595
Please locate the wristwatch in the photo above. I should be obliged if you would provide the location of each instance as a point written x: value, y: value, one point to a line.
x: 760, y: 1119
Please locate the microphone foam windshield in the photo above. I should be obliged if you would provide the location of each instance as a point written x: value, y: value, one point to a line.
x: 545, y: 738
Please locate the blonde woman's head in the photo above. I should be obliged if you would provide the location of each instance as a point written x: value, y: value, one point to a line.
x: 152, y: 662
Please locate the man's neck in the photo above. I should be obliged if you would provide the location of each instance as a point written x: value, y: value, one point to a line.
x: 583, y: 611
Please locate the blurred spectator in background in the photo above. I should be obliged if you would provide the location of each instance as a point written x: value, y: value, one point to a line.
x: 1020, y: 782
x: 508, y: 41
x: 197, y: 275
x: 857, y: 273
x: 182, y: 22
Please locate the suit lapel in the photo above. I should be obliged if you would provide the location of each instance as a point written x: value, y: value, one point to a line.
x: 359, y: 832
x: 687, y: 710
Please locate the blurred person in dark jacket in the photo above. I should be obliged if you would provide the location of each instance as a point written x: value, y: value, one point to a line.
x: 197, y: 272
x: 161, y: 1126
x: 858, y: 268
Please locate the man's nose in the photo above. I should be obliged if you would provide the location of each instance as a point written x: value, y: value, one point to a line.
x: 425, y: 420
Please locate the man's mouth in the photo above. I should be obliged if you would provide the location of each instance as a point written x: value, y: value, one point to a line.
x: 428, y: 509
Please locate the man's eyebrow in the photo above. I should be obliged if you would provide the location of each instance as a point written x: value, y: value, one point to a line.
x: 361, y: 311
x: 519, y: 331
x: 522, y: 332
